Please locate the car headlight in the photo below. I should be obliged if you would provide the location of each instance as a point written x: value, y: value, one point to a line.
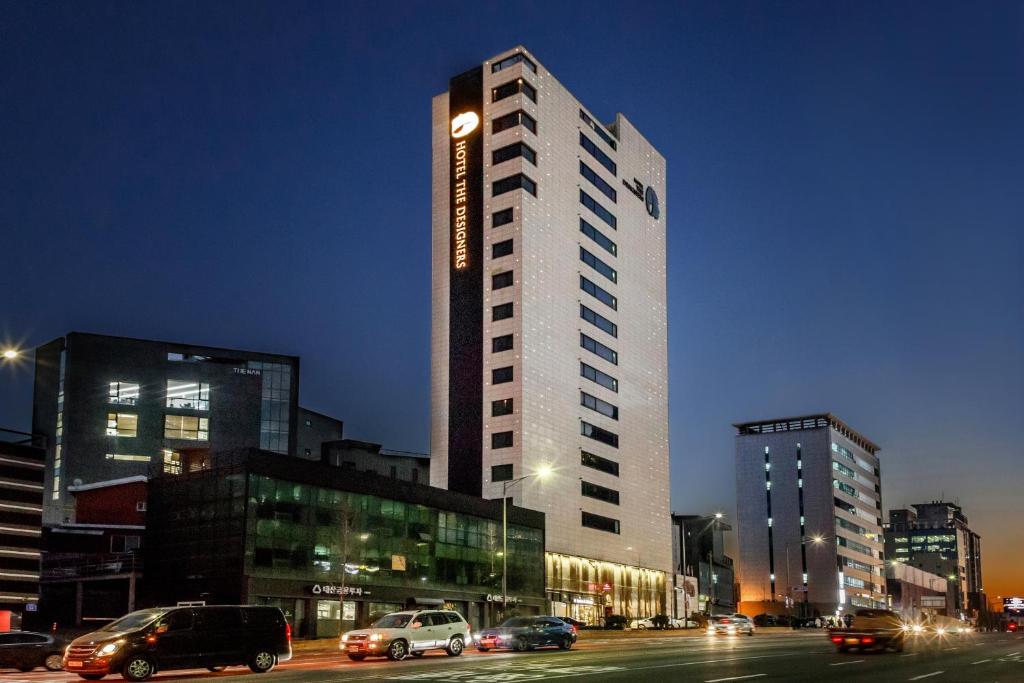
x: 375, y: 636
x: 109, y: 649
x: 344, y: 638
x: 941, y: 631
x: 917, y: 628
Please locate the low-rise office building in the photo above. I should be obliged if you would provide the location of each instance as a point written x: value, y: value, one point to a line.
x: 915, y: 593
x: 22, y: 458
x: 362, y: 456
x: 333, y: 548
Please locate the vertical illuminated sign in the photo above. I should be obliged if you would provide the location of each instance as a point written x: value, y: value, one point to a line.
x: 466, y: 294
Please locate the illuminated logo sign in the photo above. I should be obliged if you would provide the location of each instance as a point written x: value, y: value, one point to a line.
x: 647, y: 195
x: 464, y: 124
x: 1013, y: 604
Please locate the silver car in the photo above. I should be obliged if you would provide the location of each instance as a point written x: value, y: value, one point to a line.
x: 414, y: 632
x: 730, y: 624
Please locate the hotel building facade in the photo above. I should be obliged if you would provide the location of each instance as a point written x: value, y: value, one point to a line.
x: 549, y: 330
x: 809, y: 512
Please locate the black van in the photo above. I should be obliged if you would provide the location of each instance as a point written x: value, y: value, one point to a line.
x: 141, y: 643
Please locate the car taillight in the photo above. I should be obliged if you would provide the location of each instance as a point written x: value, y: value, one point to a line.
x: 867, y: 640
x: 288, y: 631
x: 725, y: 621
x: 837, y: 639
x: 573, y: 627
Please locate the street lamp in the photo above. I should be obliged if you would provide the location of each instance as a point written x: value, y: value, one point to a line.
x: 11, y: 354
x: 542, y: 473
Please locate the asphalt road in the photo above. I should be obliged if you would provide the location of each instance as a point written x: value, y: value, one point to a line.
x: 800, y: 656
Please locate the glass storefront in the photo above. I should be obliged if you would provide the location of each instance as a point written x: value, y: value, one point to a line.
x: 590, y: 590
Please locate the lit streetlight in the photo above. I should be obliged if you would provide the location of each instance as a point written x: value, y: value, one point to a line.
x: 542, y: 473
x: 11, y: 354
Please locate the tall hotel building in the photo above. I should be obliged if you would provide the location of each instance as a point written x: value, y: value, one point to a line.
x: 809, y: 511
x: 549, y: 328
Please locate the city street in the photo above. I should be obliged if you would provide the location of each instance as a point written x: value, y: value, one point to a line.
x: 779, y: 656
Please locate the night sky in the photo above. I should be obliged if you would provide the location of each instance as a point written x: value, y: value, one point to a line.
x: 845, y: 204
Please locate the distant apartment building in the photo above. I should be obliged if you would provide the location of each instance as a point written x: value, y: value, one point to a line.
x: 809, y: 515
x: 549, y: 335
x: 936, y: 538
x: 114, y: 407
x: 22, y: 458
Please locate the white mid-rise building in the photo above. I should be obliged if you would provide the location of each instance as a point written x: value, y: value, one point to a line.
x: 549, y: 340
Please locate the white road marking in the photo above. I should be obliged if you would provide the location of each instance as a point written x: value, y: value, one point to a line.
x: 735, y: 678
x: 981, y: 661
x: 934, y: 673
x: 856, y: 661
x: 911, y: 654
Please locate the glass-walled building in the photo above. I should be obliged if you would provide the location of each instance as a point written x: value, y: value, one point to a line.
x: 324, y: 543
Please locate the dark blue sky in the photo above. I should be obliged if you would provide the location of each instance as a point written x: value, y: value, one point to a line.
x: 845, y: 202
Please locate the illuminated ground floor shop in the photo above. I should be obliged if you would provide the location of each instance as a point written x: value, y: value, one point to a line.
x: 591, y: 590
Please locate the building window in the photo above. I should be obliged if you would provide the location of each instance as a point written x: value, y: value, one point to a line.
x: 595, y: 375
x: 598, y: 265
x: 597, y: 405
x: 843, y: 469
x: 512, y: 60
x: 502, y: 343
x: 601, y: 523
x: 597, y: 434
x: 598, y: 182
x: 186, y: 357
x: 172, y: 462
x: 309, y: 422
x: 501, y: 472
x: 501, y: 440
x: 503, y: 217
x: 501, y: 280
x: 140, y: 506
x: 598, y: 293
x: 501, y: 311
x: 596, y: 152
x: 500, y: 407
x: 189, y: 395
x: 516, y: 118
x: 515, y: 182
x: 596, y: 127
x: 598, y: 463
x: 121, y: 543
x: 513, y: 151
x: 122, y: 424
x: 124, y: 457
x: 845, y: 488
x: 186, y: 427
x: 499, y: 249
x: 599, y: 211
x: 599, y: 349
x: 123, y: 393
x: 599, y: 321
x: 511, y: 88
x: 275, y: 413
x: 599, y: 492
x: 598, y: 237
x: 501, y: 375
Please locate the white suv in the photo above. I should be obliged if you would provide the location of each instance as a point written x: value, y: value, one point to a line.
x: 400, y: 634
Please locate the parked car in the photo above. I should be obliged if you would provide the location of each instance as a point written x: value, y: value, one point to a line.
x: 25, y: 650
x: 682, y: 623
x: 574, y: 622
x: 642, y: 624
x: 400, y: 634
x: 730, y: 624
x: 615, y: 622
x: 526, y: 633
x: 773, y: 620
x: 871, y: 629
x: 164, y: 638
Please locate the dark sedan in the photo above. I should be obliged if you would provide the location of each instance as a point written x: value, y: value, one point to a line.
x: 25, y: 650
x: 526, y: 633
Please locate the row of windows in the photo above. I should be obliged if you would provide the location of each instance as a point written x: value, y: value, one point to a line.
x: 598, y: 377
x: 597, y: 434
x: 515, y: 182
x: 840, y: 467
x: 598, y: 182
x: 513, y: 88
x: 594, y: 126
x: 596, y: 152
x: 599, y: 321
x: 515, y: 150
x: 516, y: 118
x: 599, y: 211
x: 598, y: 237
x: 850, y: 526
x: 599, y: 492
x: 599, y: 349
x: 845, y: 488
x: 598, y: 293
x: 845, y: 452
x: 597, y: 405
x: 180, y: 394
x: 512, y: 60
x: 186, y: 427
x: 600, y: 522
x: 858, y: 547
x: 598, y: 463
x: 598, y: 265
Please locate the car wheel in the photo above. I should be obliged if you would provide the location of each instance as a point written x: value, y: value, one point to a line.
x: 216, y: 669
x: 417, y: 654
x: 641, y: 627
x: 455, y: 646
x: 357, y: 658
x: 566, y: 643
x: 397, y: 651
x: 521, y: 645
x: 137, y: 668
x: 262, y: 661
x: 54, y: 662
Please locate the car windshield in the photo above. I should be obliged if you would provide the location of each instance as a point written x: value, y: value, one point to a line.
x: 393, y: 621
x: 516, y: 621
x: 134, y: 620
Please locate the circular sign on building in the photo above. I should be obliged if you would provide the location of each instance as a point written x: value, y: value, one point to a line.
x: 651, y: 200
